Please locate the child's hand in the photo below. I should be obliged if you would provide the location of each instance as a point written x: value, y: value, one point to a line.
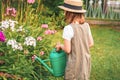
x: 58, y: 46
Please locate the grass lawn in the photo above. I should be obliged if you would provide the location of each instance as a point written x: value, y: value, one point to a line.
x: 105, y: 54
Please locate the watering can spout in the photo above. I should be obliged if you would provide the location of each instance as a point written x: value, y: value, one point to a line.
x: 43, y: 63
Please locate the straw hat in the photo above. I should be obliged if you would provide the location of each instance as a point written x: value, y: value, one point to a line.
x: 73, y: 6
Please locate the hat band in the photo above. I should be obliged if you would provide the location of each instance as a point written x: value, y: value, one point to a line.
x: 72, y: 6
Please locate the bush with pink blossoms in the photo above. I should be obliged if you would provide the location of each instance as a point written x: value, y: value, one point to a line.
x: 21, y: 42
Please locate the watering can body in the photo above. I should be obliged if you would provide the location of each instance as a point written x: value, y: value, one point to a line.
x: 57, y: 61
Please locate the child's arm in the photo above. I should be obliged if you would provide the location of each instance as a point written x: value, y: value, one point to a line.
x: 66, y: 46
x: 91, y: 42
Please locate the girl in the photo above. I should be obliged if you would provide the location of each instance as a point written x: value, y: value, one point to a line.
x: 77, y: 41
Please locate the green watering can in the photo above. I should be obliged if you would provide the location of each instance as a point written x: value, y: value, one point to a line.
x: 57, y: 61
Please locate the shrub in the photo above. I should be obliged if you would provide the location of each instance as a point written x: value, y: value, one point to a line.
x: 23, y: 41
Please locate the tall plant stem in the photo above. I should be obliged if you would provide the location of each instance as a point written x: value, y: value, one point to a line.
x: 3, y: 9
x: 0, y: 10
x: 39, y: 6
x: 26, y: 13
x: 21, y: 11
x: 18, y: 11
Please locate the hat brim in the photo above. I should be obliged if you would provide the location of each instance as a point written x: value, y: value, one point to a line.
x: 72, y: 10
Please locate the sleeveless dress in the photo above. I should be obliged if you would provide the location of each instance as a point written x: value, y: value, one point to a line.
x: 79, y: 63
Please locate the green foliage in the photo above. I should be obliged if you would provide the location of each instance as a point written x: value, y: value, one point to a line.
x: 51, y: 6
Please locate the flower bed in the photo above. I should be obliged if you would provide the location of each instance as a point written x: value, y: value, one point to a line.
x: 20, y: 43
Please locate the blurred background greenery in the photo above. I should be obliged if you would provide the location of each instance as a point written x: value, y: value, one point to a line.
x: 19, y: 66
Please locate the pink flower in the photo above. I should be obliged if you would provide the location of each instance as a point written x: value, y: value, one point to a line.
x: 11, y: 11
x: 7, y: 11
x: 39, y: 38
x: 13, y: 15
x: 44, y: 26
x: 42, y: 53
x: 14, y: 11
x: 48, y: 32
x: 30, y: 1
x: 53, y: 31
x: 33, y: 58
x: 2, y: 37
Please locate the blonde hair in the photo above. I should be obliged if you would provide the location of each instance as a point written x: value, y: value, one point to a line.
x: 71, y: 17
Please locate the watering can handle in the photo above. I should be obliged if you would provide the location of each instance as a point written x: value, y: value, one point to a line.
x: 55, y: 50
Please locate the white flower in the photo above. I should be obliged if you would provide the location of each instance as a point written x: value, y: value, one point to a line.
x: 12, y: 21
x: 14, y: 44
x: 30, y: 41
x: 8, y: 24
x: 11, y: 42
x: 20, y: 29
x: 12, y: 24
x: 4, y: 24
x: 20, y: 46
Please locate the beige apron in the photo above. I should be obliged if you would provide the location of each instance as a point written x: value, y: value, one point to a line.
x: 78, y: 64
